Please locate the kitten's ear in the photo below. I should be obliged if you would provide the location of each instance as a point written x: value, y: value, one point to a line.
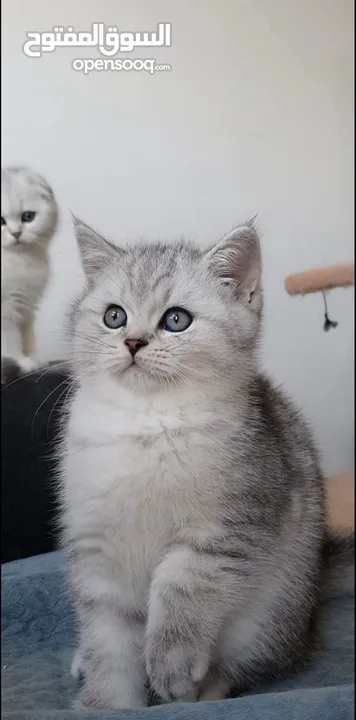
x: 236, y: 259
x: 95, y: 251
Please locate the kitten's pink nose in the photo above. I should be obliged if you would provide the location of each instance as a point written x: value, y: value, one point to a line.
x: 16, y: 234
x: 134, y: 345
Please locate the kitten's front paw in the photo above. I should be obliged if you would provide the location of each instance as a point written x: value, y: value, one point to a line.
x: 175, y: 668
x: 15, y: 367
x: 107, y: 695
x: 28, y: 364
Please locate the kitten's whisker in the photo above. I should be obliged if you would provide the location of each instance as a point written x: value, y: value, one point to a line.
x: 33, y: 372
x: 95, y: 341
x: 54, y: 367
x: 22, y: 377
x: 67, y: 390
x: 188, y: 382
x: 45, y: 400
x: 175, y: 357
x: 205, y: 376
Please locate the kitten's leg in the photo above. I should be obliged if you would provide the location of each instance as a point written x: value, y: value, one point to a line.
x: 11, y: 340
x: 191, y: 595
x: 29, y: 339
x: 110, y: 661
x: 269, y: 642
x: 12, y: 348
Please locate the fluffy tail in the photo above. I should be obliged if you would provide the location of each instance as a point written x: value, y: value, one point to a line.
x: 339, y: 563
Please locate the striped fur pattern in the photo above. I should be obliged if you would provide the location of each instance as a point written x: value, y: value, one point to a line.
x: 192, y: 499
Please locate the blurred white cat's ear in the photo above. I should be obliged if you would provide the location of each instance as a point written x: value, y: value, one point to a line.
x: 236, y: 259
x: 95, y: 251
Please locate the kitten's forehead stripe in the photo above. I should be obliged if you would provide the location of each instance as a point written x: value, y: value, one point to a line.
x: 159, y: 280
x: 151, y: 270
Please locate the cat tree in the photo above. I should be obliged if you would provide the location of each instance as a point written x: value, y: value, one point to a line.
x: 340, y: 488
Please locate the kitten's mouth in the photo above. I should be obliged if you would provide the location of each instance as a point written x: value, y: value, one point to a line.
x: 133, y: 365
x: 140, y: 367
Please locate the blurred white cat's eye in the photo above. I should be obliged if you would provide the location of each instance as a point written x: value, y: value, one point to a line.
x: 3, y: 221
x: 28, y: 216
x: 176, y: 320
x: 115, y: 317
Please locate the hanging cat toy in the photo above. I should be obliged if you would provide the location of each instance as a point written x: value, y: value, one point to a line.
x: 321, y: 280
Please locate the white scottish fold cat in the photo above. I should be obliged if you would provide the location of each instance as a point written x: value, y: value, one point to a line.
x: 28, y: 221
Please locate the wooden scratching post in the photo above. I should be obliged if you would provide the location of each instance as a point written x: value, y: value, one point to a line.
x: 320, y: 279
x: 340, y: 489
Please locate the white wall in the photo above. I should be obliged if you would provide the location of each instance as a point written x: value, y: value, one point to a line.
x: 255, y: 116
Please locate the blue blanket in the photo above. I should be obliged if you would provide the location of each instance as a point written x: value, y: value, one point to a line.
x: 38, y: 641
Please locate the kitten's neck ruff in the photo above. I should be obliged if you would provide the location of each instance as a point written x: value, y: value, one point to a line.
x: 109, y: 395
x: 101, y: 415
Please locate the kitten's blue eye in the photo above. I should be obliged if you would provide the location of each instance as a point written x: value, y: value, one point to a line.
x: 28, y: 216
x: 3, y: 221
x: 176, y: 320
x: 115, y: 317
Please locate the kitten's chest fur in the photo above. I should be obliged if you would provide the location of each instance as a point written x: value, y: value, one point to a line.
x: 23, y: 277
x: 137, y: 478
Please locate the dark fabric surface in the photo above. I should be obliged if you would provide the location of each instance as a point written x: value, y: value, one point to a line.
x: 30, y: 411
x: 38, y: 639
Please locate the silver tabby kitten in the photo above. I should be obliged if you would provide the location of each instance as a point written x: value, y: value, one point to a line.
x: 192, y: 500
